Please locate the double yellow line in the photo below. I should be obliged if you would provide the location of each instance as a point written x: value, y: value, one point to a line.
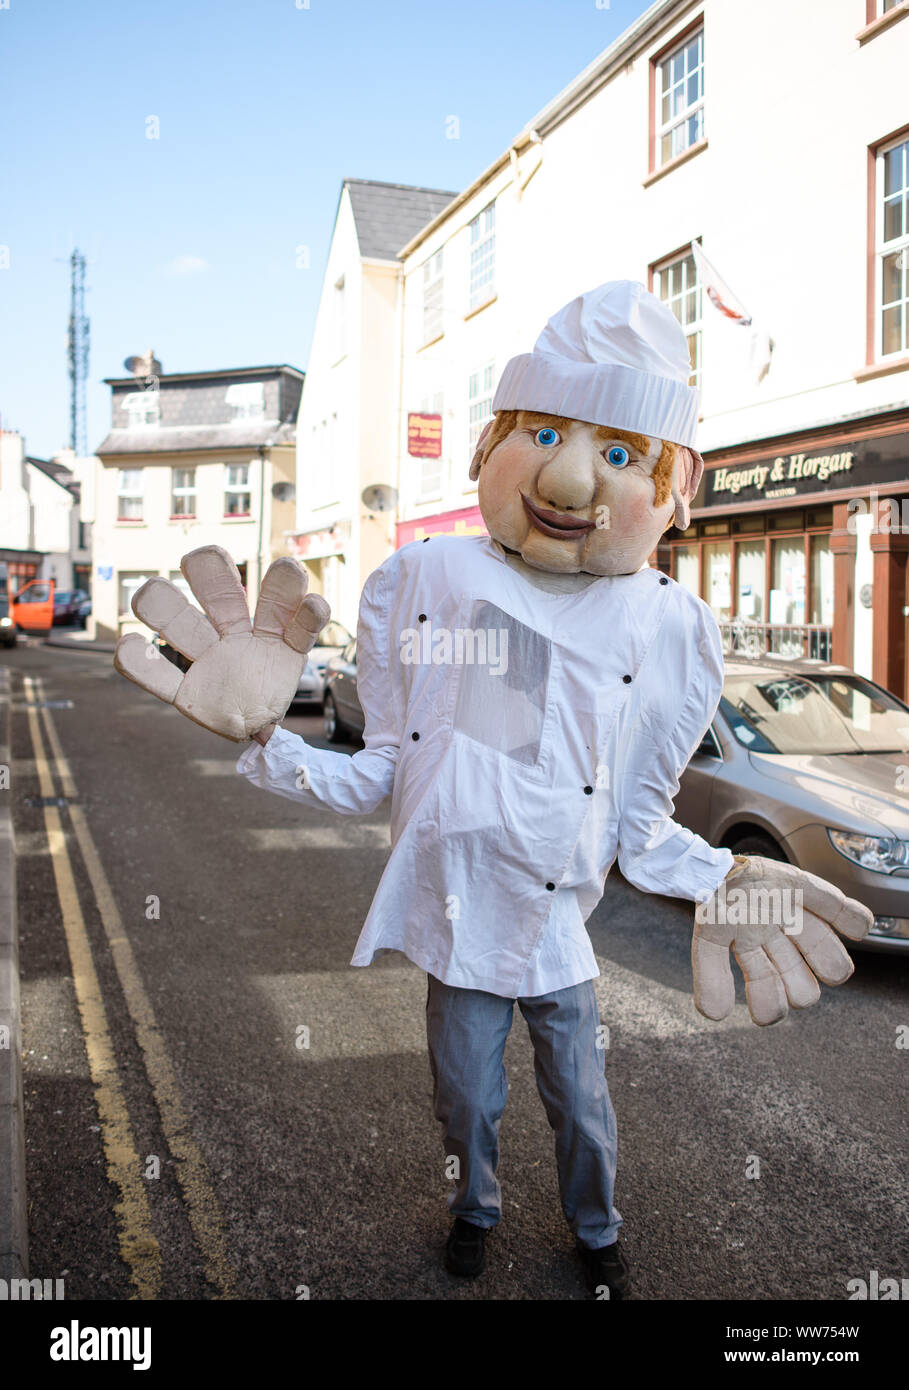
x: 138, y: 1245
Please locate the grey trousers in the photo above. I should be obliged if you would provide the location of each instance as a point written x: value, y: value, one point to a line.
x: 467, y: 1030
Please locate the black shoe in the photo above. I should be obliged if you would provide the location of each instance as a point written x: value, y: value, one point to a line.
x: 606, y: 1271
x: 465, y: 1252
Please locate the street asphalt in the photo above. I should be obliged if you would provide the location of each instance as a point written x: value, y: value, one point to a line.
x: 287, y: 1170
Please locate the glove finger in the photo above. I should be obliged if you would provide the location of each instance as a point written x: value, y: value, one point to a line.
x: 141, y: 662
x: 215, y: 581
x: 714, y: 987
x: 819, y: 897
x: 823, y: 950
x: 800, y: 984
x: 307, y: 622
x: 162, y: 606
x: 764, y: 988
x: 283, y: 588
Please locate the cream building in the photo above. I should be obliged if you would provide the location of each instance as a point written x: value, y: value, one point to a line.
x: 192, y: 459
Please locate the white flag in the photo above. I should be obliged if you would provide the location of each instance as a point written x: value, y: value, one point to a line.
x: 732, y: 309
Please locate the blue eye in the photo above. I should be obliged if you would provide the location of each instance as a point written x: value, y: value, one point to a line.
x: 547, y: 437
x: 618, y: 456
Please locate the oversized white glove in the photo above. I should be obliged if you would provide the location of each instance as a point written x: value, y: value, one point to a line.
x: 243, y: 675
x: 779, y: 922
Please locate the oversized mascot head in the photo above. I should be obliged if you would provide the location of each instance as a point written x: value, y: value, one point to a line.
x: 590, y: 455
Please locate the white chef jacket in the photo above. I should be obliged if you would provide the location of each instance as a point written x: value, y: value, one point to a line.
x: 517, y: 772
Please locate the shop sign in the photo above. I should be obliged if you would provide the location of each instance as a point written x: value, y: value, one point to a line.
x: 882, y: 460
x: 424, y: 436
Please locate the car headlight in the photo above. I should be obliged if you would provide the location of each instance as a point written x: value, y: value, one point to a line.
x: 6, y: 622
x: 880, y: 853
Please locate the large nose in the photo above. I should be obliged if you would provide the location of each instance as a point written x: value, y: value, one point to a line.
x: 569, y: 480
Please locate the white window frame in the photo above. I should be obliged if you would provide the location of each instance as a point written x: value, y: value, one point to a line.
x: 433, y: 297
x: 432, y: 472
x: 480, y: 392
x: 187, y: 490
x: 137, y: 578
x: 483, y: 256
x: 143, y: 408
x: 130, y: 488
x: 247, y: 400
x: 677, y: 122
x: 678, y: 303
x: 885, y: 6
x: 896, y: 246
x: 237, y: 489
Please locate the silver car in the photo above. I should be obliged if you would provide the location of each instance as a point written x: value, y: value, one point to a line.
x: 809, y: 762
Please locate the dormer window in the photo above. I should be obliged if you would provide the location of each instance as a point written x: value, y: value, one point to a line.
x: 142, y: 408
x: 247, y: 400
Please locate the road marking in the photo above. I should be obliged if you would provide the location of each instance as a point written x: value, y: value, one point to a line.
x: 192, y: 1171
x: 138, y: 1245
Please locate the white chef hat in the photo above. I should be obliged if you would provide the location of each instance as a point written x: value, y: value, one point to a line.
x: 616, y: 355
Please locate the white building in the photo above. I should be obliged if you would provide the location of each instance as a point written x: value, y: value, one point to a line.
x: 777, y: 137
x: 764, y: 144
x: 348, y: 423
x: 42, y: 532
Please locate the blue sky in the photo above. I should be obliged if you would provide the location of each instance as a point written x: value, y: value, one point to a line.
x: 263, y: 109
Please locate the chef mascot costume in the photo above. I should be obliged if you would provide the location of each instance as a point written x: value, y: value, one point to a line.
x: 531, y: 699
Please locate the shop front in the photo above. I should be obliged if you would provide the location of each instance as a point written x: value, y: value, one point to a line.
x: 465, y: 521
x: 799, y: 545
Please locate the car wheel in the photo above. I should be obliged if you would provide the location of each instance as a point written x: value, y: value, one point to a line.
x: 763, y: 845
x: 334, y: 729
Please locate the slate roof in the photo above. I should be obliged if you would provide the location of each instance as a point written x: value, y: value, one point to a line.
x: 168, y: 439
x: 388, y: 215
x: 57, y: 472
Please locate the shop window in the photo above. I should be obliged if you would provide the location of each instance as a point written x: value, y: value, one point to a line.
x: 717, y: 579
x: 821, y: 581
x: 715, y: 528
x: 685, y: 566
x: 787, y: 568
x: 785, y: 521
x: 819, y: 516
x: 679, y: 117
x: 892, y: 250
x: 677, y: 285
x: 750, y: 576
x: 742, y: 525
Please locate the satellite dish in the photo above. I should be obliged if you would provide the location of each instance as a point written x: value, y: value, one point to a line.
x: 379, y: 497
x: 145, y: 364
x: 283, y: 492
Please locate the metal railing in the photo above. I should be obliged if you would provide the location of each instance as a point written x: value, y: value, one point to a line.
x: 741, y: 638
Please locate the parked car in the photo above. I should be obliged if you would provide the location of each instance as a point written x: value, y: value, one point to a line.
x: 342, y: 714
x: 809, y: 762
x: 84, y: 613
x: 332, y: 640
x: 7, y: 626
x: 67, y: 603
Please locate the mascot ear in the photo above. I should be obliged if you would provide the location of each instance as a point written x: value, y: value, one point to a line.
x: 478, y: 452
x: 685, y: 481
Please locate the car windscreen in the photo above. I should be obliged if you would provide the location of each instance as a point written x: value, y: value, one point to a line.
x: 4, y: 606
x: 798, y: 713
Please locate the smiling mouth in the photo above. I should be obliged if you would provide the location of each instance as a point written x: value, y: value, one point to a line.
x: 558, y: 524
